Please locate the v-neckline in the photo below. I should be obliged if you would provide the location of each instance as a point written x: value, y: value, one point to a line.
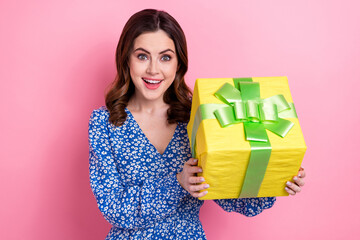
x: 147, y: 139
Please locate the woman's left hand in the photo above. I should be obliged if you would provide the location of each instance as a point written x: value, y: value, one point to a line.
x: 298, y: 181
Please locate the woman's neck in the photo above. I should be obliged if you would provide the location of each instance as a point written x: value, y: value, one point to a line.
x: 143, y: 105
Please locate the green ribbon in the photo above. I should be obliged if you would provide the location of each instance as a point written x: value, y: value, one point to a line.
x: 243, y: 105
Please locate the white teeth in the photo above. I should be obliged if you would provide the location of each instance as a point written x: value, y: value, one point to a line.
x: 151, y: 81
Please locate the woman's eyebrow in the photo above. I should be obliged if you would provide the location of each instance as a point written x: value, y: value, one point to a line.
x: 167, y: 50
x: 142, y: 49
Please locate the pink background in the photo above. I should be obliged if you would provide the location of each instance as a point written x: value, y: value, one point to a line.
x: 57, y: 57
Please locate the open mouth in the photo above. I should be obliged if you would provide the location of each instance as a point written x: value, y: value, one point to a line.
x: 152, y: 83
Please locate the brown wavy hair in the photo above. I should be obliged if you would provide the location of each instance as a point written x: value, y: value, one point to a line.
x: 178, y: 95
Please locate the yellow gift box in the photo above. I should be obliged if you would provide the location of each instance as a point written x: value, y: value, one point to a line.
x: 223, y: 152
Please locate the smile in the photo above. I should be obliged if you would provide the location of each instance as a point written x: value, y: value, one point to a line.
x: 151, y: 83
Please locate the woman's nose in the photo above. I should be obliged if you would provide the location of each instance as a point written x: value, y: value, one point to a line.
x: 153, y: 67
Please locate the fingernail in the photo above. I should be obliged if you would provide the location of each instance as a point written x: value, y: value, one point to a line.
x: 205, y: 192
x: 295, y: 178
x: 288, y: 183
x: 200, y: 170
x: 207, y: 186
x: 195, y: 160
x: 299, y: 175
x: 202, y: 179
x: 286, y: 188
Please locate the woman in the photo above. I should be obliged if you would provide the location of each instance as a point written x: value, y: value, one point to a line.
x: 141, y: 172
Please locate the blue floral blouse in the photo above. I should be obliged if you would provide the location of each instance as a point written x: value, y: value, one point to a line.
x: 136, y: 187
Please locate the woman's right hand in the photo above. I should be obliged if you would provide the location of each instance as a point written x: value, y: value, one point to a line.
x: 189, y: 181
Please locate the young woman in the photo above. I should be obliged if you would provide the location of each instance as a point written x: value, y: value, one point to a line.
x: 141, y: 170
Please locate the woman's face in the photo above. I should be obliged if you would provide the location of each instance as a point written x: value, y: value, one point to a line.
x: 153, y: 64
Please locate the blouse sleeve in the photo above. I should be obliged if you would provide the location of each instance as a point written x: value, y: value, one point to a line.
x: 126, y: 206
x: 247, y: 206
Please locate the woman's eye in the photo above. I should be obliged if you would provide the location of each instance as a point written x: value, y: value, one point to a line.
x: 166, y: 58
x: 142, y: 57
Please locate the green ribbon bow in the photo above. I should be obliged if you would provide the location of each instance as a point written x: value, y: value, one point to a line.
x: 243, y: 105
